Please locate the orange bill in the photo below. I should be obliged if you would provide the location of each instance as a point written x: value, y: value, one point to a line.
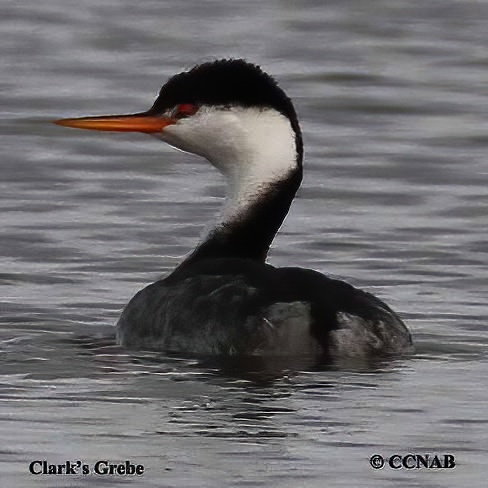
x: 119, y: 123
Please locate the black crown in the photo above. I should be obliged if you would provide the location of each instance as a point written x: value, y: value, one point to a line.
x: 225, y: 82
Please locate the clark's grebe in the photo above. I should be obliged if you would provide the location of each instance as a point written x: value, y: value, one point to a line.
x: 224, y: 299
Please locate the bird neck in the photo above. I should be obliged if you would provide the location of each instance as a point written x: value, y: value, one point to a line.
x: 260, y: 152
x: 250, y: 221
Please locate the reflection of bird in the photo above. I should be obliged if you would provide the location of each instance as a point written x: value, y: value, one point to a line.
x: 223, y: 299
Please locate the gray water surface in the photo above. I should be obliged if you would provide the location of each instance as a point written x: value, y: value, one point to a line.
x: 393, y: 101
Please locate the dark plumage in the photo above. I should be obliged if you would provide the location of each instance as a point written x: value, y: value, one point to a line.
x: 224, y: 299
x: 243, y: 307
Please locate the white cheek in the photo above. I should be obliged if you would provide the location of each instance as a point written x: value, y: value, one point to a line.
x: 252, y: 147
x: 210, y: 135
x: 181, y: 138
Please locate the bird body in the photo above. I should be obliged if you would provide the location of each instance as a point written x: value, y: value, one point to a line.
x: 224, y: 299
x: 232, y: 306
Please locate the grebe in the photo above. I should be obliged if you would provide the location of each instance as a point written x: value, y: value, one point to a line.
x: 224, y: 299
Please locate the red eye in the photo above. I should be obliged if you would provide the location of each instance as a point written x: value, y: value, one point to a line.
x: 187, y: 109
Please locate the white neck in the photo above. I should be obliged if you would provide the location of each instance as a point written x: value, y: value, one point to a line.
x: 254, y: 148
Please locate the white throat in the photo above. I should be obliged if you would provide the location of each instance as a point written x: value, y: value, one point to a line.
x: 254, y: 148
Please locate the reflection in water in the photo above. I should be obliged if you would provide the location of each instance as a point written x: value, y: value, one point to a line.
x: 211, y: 398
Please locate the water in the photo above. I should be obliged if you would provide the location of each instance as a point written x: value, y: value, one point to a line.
x: 393, y: 102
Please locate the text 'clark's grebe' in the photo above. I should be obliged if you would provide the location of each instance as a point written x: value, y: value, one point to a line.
x: 223, y: 299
